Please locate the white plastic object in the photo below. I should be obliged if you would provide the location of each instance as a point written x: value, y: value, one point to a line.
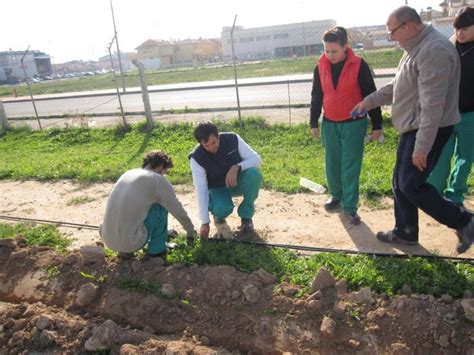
x: 311, y: 185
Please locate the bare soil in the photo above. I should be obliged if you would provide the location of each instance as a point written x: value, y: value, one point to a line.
x: 74, y: 303
x: 296, y: 219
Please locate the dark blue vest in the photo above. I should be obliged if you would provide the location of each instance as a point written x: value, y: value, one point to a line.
x: 217, y: 165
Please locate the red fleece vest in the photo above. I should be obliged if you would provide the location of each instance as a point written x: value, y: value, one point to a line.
x: 338, y: 103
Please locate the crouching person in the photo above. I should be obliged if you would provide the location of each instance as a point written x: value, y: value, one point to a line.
x: 223, y: 166
x: 137, y: 209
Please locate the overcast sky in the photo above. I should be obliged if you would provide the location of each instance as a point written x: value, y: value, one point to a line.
x: 82, y: 29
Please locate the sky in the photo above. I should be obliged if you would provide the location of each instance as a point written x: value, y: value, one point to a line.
x: 83, y: 29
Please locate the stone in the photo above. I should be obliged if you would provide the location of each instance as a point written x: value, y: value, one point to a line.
x: 354, y: 344
x: 364, y: 295
x: 168, y: 290
x: 315, y: 305
x: 103, y: 336
x: 328, y: 327
x: 44, y: 321
x: 86, y: 294
x: 251, y: 293
x: 8, y: 243
x: 443, y: 341
x: 342, y: 287
x: 92, y: 254
x: 323, y: 280
x: 265, y: 277
x: 467, y: 305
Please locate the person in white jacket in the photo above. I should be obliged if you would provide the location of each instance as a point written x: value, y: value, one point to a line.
x: 136, y: 215
x: 224, y: 165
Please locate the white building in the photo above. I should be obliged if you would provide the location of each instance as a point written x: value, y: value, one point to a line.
x: 36, y: 64
x: 271, y: 42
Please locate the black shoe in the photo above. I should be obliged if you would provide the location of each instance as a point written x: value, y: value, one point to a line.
x: 354, y: 218
x: 219, y: 220
x: 125, y: 256
x: 465, y: 236
x: 332, y: 204
x: 246, y: 225
x: 392, y: 237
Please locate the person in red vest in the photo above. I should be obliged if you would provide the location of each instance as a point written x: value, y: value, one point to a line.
x: 342, y: 79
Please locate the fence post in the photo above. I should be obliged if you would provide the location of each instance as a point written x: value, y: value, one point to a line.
x: 145, y: 96
x: 235, y: 71
x: 289, y: 101
x: 115, y: 79
x: 29, y: 87
x: 3, y: 118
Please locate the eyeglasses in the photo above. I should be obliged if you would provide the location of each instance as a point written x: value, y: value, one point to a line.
x: 392, y: 32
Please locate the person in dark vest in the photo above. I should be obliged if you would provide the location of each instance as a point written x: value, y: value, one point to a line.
x: 223, y: 166
x: 452, y: 181
x: 341, y: 79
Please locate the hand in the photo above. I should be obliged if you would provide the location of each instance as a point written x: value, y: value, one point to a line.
x: 361, y: 107
x: 315, y: 133
x: 204, y: 231
x: 375, y: 135
x: 231, y: 177
x: 419, y: 160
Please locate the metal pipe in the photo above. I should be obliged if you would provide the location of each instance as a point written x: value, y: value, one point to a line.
x: 235, y: 70
x: 118, y: 49
x: 115, y: 79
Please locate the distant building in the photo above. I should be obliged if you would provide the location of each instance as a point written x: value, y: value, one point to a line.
x: 371, y: 37
x: 165, y: 54
x: 272, y: 42
x: 36, y: 63
x: 104, y: 62
x: 443, y: 20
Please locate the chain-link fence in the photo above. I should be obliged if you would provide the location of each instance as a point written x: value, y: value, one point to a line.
x: 195, y: 79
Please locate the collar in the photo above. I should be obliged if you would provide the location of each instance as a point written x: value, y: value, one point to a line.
x: 412, y: 43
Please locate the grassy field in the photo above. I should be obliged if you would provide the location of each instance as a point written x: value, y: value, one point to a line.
x: 288, y: 152
x: 378, y: 59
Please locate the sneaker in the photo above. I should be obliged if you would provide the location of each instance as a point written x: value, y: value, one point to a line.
x: 392, y: 237
x: 219, y: 220
x: 465, y: 236
x: 332, y: 204
x: 354, y: 218
x: 246, y: 225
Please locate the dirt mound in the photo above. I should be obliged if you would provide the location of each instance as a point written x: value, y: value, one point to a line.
x: 85, y: 301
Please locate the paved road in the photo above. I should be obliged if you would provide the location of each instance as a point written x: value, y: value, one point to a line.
x: 216, y: 94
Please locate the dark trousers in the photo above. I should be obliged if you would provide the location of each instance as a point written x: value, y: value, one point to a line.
x: 411, y: 191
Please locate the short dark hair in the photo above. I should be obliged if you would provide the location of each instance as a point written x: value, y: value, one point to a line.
x: 157, y: 158
x: 336, y: 34
x: 464, y: 18
x: 204, y: 130
x: 406, y: 14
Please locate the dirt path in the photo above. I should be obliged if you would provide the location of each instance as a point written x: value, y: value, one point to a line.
x: 297, y: 219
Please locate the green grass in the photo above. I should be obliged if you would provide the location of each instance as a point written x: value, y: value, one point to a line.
x: 96, y: 155
x: 387, y: 58
x: 42, y: 235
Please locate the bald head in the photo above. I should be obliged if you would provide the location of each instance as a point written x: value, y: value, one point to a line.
x: 406, y: 14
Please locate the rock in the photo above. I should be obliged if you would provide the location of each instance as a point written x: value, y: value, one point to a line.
x: 443, y: 340
x: 448, y: 299
x: 18, y: 256
x: 318, y: 295
x: 340, y: 308
x: 328, y: 327
x: 400, y: 349
x: 289, y: 290
x: 342, y: 287
x: 92, y: 254
x: 44, y: 321
x: 204, y: 340
x: 129, y: 349
x: 364, y: 295
x: 137, y: 266
x: 168, y: 290
x: 265, y: 277
x: 315, y: 305
x: 406, y: 290
x: 468, y: 306
x: 354, y: 344
x: 70, y: 259
x: 322, y: 280
x: 235, y: 294
x: 251, y: 293
x: 86, y: 294
x: 8, y: 243
x: 103, y: 336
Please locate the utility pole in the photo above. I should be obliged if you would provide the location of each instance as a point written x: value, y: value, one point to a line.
x: 118, y: 49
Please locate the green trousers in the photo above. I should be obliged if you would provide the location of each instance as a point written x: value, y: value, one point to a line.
x: 452, y: 180
x: 248, y: 186
x: 156, y: 223
x: 344, y: 149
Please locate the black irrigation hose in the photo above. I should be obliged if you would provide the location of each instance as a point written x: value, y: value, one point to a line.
x: 262, y: 244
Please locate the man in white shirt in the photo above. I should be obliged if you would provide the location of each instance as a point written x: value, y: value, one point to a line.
x: 136, y: 214
x: 223, y: 165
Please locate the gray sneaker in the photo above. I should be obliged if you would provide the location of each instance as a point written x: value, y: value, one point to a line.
x: 465, y: 236
x: 353, y: 217
x: 246, y: 225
